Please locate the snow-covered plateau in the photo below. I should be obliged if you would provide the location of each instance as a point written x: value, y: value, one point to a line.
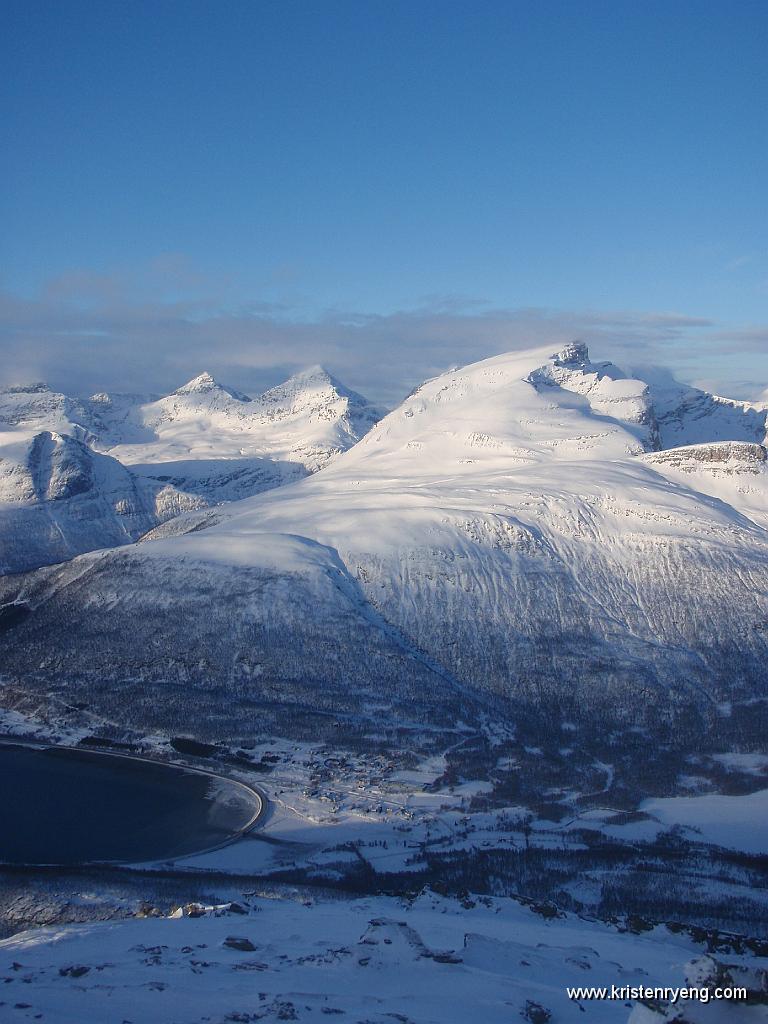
x: 497, y: 659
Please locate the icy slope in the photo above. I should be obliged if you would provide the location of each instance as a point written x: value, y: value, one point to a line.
x: 504, y: 523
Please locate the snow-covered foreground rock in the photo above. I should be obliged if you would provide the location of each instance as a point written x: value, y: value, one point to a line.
x: 429, y: 960
x: 133, y: 464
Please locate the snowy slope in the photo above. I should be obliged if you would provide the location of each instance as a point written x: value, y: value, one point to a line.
x: 736, y: 472
x: 58, y: 498
x: 507, y: 523
x: 375, y: 960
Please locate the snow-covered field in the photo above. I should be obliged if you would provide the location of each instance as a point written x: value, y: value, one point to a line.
x: 738, y: 822
x: 335, y: 817
x: 308, y: 955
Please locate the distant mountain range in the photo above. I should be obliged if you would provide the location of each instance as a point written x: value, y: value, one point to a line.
x: 533, y: 531
x: 80, y: 474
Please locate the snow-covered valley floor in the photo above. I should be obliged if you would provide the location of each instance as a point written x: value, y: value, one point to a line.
x: 299, y: 945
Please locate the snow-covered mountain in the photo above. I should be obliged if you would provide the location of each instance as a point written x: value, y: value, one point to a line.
x: 312, y: 417
x: 203, y: 444
x: 515, y: 638
x: 511, y: 535
x: 306, y: 422
x: 213, y: 441
x: 58, y: 498
x: 38, y: 407
x: 686, y: 415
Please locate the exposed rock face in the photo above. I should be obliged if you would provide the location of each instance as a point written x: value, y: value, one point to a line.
x: 575, y: 354
x: 721, y: 457
x: 735, y: 472
x: 59, y: 467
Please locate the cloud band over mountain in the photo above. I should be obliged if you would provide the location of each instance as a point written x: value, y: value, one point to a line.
x: 95, y: 332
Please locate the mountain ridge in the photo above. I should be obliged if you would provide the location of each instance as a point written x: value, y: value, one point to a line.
x: 511, y: 521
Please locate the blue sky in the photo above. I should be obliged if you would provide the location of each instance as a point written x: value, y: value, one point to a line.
x: 177, y: 174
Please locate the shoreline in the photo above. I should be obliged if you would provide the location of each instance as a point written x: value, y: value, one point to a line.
x: 256, y: 796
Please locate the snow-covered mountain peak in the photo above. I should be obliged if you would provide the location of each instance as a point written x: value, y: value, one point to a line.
x: 508, y: 412
x: 323, y: 405
x: 319, y: 380
x: 294, y: 428
x: 205, y: 384
x: 573, y: 362
x: 311, y: 387
x: 497, y: 532
x: 687, y: 415
x: 317, y: 375
x: 59, y: 498
x: 521, y: 422
x: 575, y: 353
x: 607, y: 389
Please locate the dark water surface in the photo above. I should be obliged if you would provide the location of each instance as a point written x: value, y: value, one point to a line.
x: 64, y: 806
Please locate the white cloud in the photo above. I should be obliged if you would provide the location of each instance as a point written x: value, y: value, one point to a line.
x: 88, y: 332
